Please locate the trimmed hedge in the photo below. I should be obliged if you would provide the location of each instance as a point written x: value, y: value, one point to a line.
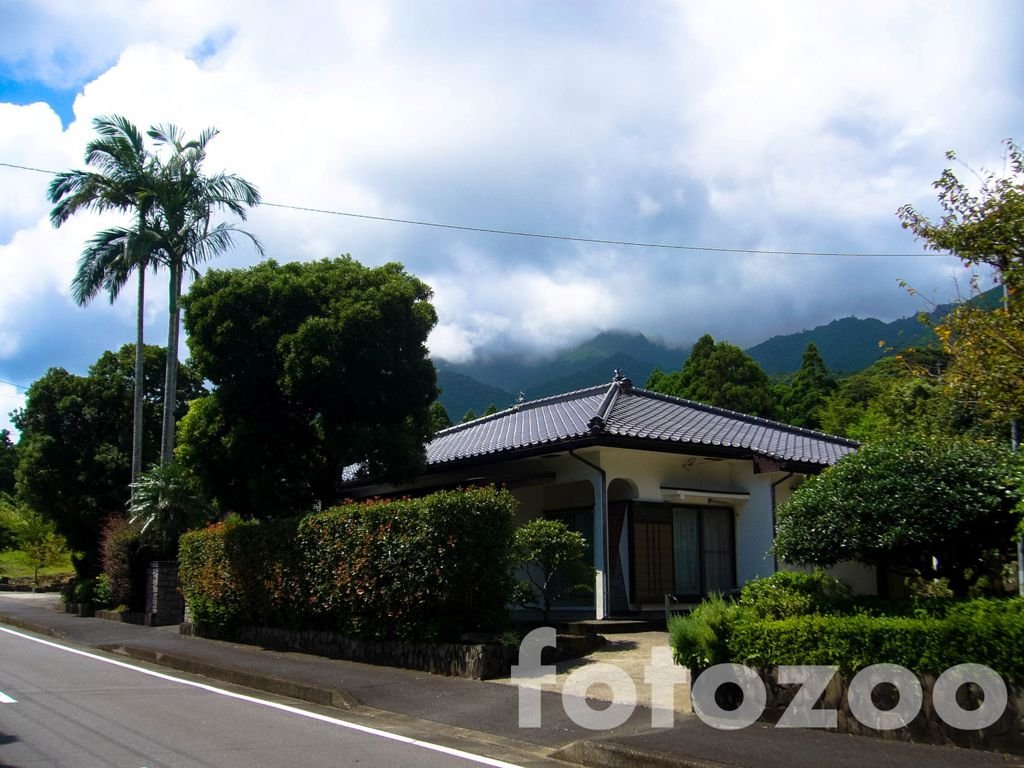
x: 938, y: 634
x: 989, y: 632
x: 428, y: 568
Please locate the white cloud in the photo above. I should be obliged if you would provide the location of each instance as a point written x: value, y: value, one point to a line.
x: 789, y: 125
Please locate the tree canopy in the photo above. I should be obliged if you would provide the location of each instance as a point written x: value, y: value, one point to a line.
x: 803, y: 398
x: 74, y: 456
x: 938, y: 507
x: 316, y: 366
x: 8, y: 462
x: 983, y: 224
x: 719, y: 374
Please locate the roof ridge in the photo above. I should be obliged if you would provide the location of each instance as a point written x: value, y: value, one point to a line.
x: 597, y: 421
x: 744, y: 416
x: 527, y: 404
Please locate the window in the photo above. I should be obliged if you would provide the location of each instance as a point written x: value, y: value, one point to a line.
x: 687, y: 551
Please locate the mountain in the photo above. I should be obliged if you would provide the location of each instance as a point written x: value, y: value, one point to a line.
x: 460, y: 393
x: 500, y: 378
x: 847, y: 345
x: 852, y: 344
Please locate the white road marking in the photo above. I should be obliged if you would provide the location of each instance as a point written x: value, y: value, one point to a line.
x: 482, y: 760
x: 5, y: 699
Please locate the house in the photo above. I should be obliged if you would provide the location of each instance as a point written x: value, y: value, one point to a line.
x: 673, y: 497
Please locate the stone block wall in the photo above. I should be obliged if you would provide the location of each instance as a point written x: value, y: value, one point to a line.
x: 164, y: 602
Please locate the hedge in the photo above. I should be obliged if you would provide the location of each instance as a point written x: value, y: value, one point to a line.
x: 427, y: 568
x: 938, y: 634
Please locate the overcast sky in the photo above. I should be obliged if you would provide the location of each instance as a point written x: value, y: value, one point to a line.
x: 793, y: 126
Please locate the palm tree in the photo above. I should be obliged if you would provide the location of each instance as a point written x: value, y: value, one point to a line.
x: 124, y: 180
x: 187, y: 200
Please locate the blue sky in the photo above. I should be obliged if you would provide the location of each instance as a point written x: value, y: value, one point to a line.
x: 793, y: 126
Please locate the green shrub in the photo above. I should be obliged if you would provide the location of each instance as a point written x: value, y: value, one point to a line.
x: 553, y: 558
x: 423, y: 568
x: 982, y: 631
x: 702, y: 638
x: 793, y: 593
x: 119, y: 552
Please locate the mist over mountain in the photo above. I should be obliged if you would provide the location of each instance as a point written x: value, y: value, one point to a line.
x: 847, y: 345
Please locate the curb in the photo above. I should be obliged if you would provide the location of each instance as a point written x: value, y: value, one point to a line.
x: 328, y: 697
x: 603, y: 754
x: 31, y: 626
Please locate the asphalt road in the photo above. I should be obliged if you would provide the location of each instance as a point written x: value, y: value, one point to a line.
x: 61, y: 706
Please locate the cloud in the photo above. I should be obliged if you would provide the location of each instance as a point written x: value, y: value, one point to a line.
x: 787, y: 126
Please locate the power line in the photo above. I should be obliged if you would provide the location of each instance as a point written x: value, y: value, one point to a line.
x: 563, y: 238
x: 12, y: 384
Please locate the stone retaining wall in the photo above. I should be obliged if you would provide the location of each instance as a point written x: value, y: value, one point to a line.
x: 479, y: 661
x: 1005, y: 735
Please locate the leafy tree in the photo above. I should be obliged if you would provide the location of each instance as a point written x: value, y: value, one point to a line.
x: 805, y: 395
x: 125, y: 181
x: 552, y: 557
x: 8, y: 462
x: 76, y: 436
x: 166, y: 503
x: 983, y: 224
x: 491, y: 410
x: 184, y: 237
x: 439, y: 418
x: 719, y: 374
x: 42, y: 545
x: 469, y: 415
x: 941, y: 508
x: 317, y: 366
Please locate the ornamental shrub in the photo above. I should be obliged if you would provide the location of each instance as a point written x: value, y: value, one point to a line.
x: 703, y: 638
x: 428, y: 568
x: 793, y: 593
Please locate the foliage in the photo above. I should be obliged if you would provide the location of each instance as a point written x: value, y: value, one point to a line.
x: 469, y: 415
x: 702, y: 638
x: 166, y: 502
x: 432, y: 567
x: 792, y: 593
x: 8, y: 462
x: 719, y: 374
x: 75, y: 450
x: 119, y: 550
x: 941, y: 508
x: 803, y: 398
x: 10, y: 523
x: 42, y: 545
x: 983, y: 224
x: 439, y: 418
x: 317, y: 366
x: 978, y: 631
x: 553, y: 559
x: 182, y: 235
x: 124, y: 179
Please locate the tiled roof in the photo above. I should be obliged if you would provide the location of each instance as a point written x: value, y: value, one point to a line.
x: 624, y: 415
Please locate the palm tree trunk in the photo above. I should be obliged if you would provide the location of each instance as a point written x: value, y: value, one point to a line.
x: 171, y: 372
x: 139, y: 380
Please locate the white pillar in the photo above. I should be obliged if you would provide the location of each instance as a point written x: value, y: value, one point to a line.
x: 600, y: 547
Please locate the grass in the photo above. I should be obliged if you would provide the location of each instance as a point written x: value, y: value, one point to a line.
x: 16, y: 565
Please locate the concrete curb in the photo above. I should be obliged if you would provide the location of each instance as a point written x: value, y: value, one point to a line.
x: 31, y: 626
x: 328, y: 697
x: 602, y: 754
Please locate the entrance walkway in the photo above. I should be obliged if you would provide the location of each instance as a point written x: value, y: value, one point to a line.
x: 630, y: 652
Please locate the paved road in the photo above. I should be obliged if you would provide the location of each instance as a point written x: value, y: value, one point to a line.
x: 64, y: 707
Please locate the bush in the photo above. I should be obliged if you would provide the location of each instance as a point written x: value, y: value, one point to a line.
x: 793, y: 593
x: 120, y: 546
x: 703, y: 638
x: 553, y: 559
x: 426, y: 568
x: 983, y: 631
